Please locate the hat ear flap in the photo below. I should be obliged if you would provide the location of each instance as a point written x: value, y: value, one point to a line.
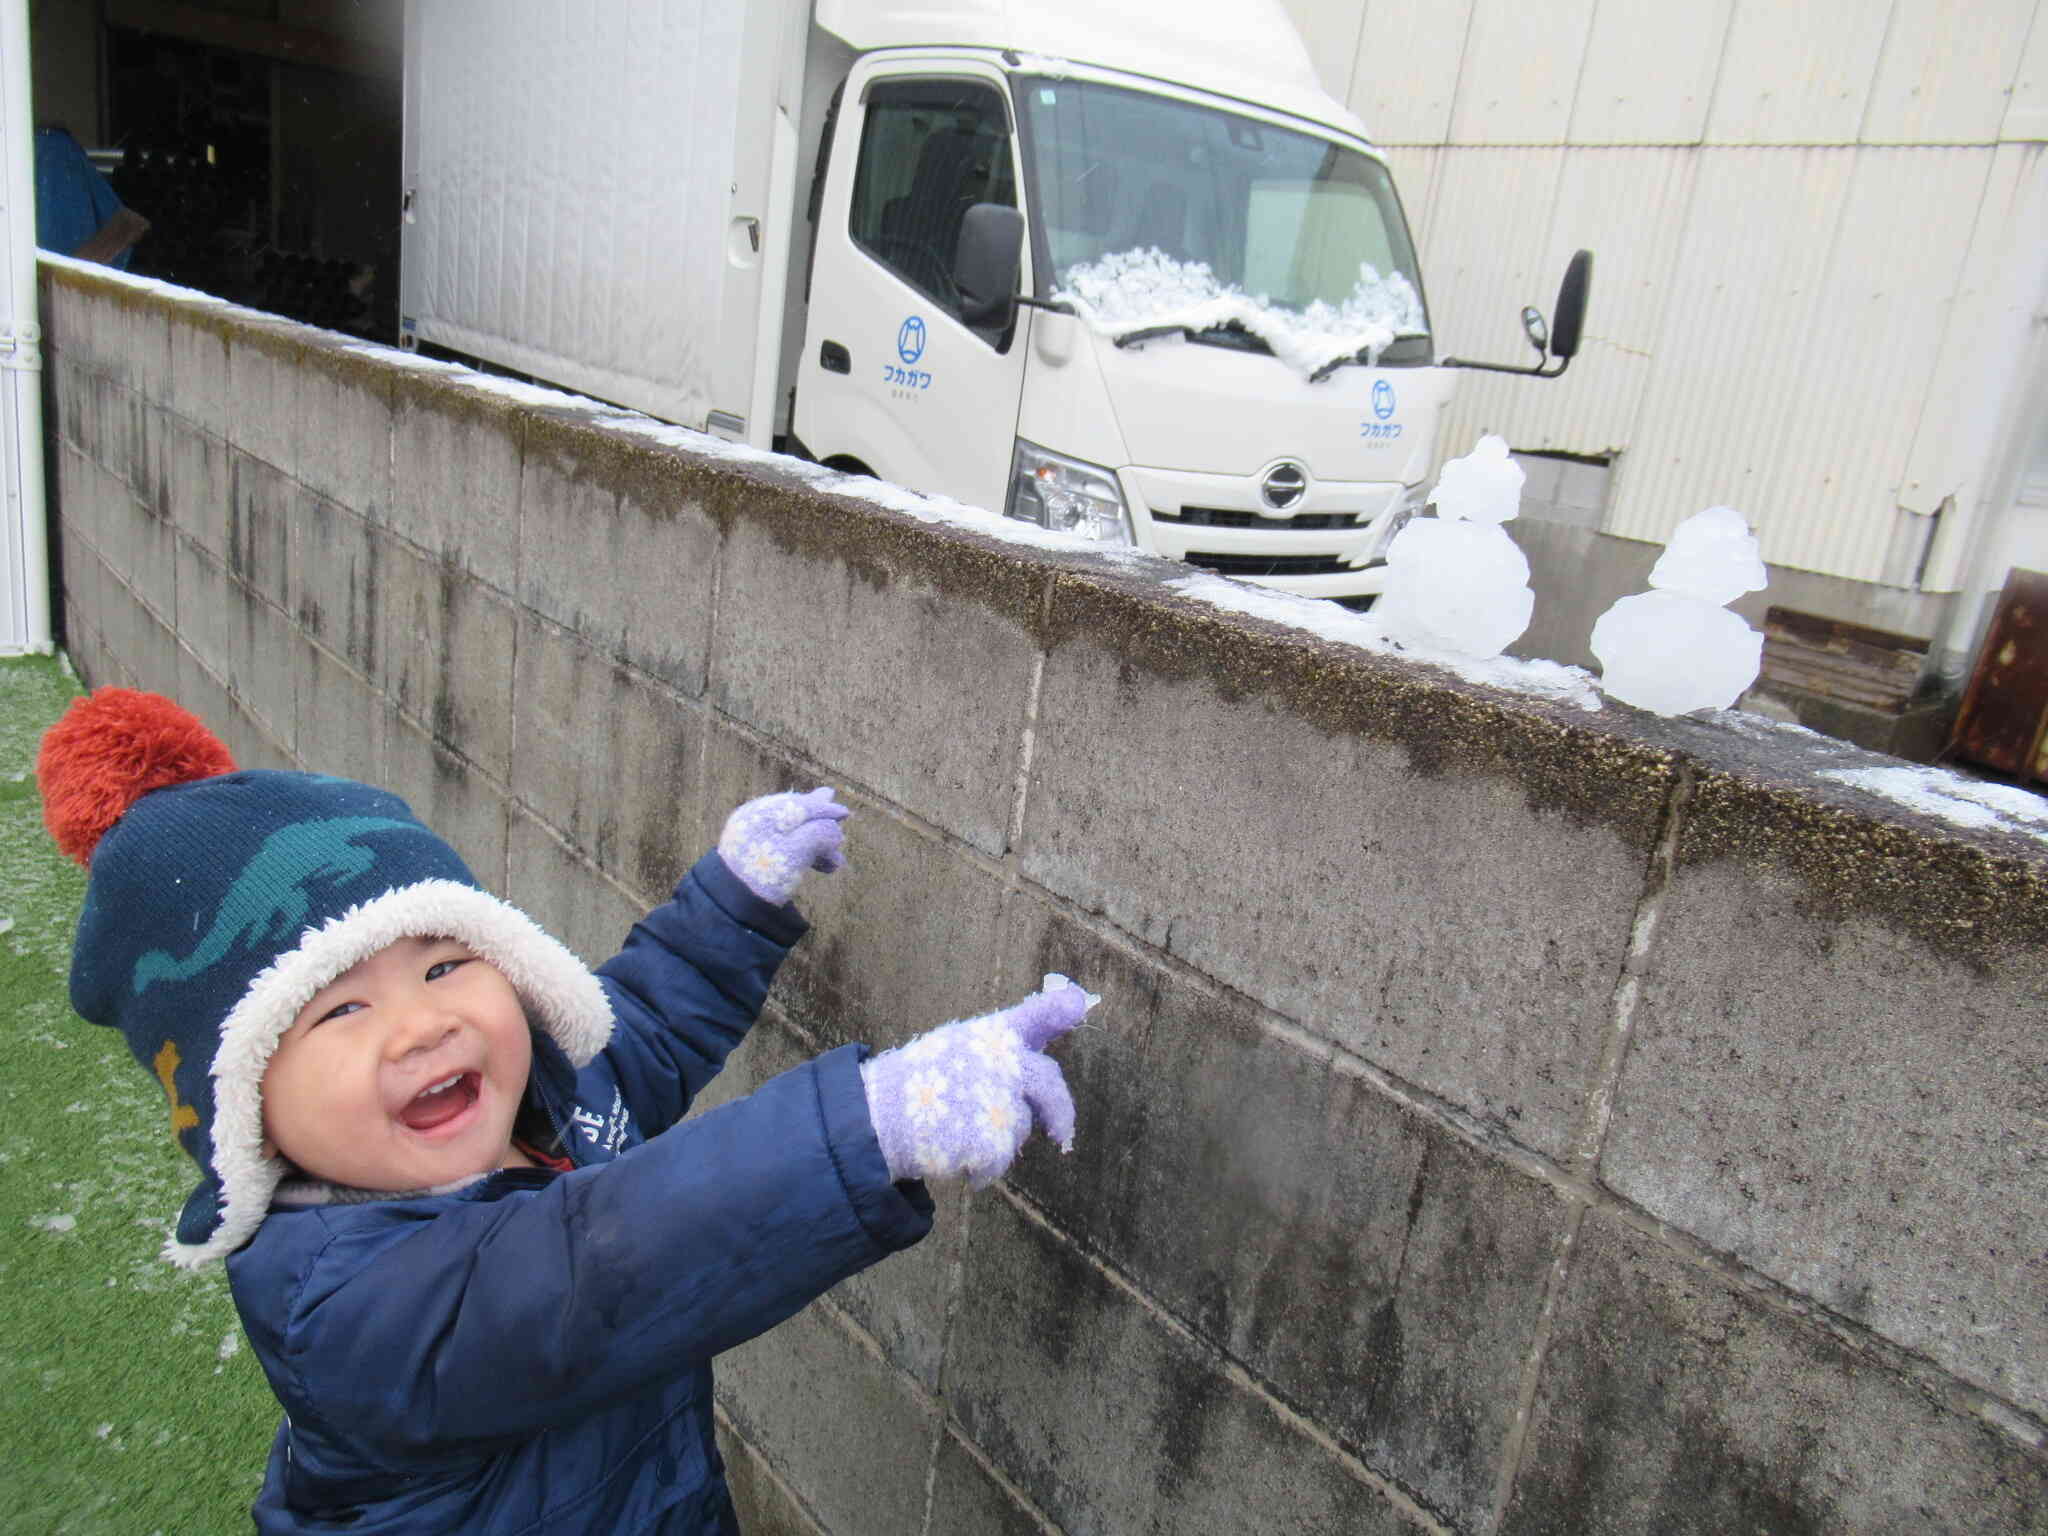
x: 108, y: 751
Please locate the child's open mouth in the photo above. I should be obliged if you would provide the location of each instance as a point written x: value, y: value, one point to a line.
x: 437, y: 1104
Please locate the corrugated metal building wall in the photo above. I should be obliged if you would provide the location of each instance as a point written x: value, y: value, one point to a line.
x: 1821, y: 235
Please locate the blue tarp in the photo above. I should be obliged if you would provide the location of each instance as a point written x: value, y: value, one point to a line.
x: 72, y: 198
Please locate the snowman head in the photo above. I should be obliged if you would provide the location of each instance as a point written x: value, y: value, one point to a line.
x: 1712, y: 555
x: 1483, y: 487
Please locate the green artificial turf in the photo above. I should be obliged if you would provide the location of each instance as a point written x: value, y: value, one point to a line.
x: 132, y: 1404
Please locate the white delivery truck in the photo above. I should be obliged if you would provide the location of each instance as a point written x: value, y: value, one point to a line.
x: 1114, y: 266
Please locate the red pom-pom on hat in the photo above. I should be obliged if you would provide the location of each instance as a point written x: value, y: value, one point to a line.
x: 108, y: 751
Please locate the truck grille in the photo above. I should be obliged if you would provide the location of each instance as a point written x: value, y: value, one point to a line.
x: 1223, y: 517
x: 1268, y: 565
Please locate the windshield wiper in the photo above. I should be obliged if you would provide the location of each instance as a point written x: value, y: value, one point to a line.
x: 1228, y: 334
x: 1146, y: 333
x: 1361, y: 357
x: 1393, y: 354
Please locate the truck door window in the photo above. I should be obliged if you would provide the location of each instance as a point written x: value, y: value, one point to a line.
x: 929, y: 151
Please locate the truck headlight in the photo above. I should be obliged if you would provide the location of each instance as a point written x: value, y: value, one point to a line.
x: 1066, y: 495
x: 1393, y: 520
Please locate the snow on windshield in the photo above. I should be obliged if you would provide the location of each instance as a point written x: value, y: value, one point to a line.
x: 1136, y: 290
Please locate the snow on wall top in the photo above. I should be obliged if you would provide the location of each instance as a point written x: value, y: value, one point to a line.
x: 1952, y: 798
x: 1937, y: 793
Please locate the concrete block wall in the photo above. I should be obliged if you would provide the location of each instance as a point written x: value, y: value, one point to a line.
x: 1502, y: 1117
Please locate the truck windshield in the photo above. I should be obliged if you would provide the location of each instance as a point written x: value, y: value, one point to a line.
x: 1161, y: 204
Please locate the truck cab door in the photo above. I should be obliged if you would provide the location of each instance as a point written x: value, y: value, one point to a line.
x: 889, y: 374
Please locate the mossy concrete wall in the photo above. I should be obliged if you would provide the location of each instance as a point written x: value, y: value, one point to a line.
x: 1502, y: 1117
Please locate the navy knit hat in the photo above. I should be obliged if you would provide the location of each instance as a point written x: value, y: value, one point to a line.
x: 220, y: 901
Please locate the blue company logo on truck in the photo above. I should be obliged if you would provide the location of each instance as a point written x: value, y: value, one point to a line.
x: 910, y: 337
x: 1382, y: 429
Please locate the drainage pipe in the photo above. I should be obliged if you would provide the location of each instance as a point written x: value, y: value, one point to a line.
x: 25, y: 578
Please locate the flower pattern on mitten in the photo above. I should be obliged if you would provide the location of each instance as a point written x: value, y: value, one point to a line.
x: 771, y: 841
x: 960, y: 1101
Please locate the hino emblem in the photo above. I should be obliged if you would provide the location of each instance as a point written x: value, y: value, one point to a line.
x: 1284, y: 485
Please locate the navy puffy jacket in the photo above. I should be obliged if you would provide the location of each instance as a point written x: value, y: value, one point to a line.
x: 532, y: 1353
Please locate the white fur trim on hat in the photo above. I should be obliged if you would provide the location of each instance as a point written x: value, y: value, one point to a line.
x: 560, y: 994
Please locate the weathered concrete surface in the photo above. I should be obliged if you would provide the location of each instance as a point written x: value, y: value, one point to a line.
x: 342, y: 417
x: 341, y: 722
x: 767, y: 1506
x: 608, y: 755
x: 1675, y: 1402
x: 1448, y: 903
x: 455, y: 477
x: 196, y: 465
x: 615, y: 551
x: 262, y: 505
x: 845, y: 658
x: 887, y: 959
x: 1111, y: 1420
x: 333, y: 590
x: 966, y: 1497
x: 809, y: 1391
x: 446, y: 790
x: 1386, y: 1277
x: 1852, y: 1117
x: 1502, y: 1116
x: 447, y: 653
x: 546, y: 879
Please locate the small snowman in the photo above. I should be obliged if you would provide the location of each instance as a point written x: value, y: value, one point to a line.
x: 1678, y: 649
x: 1456, y: 582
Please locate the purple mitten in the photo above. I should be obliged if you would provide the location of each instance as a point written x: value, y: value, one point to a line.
x: 769, y: 842
x: 961, y: 1099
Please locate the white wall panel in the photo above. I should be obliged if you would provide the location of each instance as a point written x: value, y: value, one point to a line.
x: 1746, y: 285
x: 1627, y: 206
x: 1945, y: 70
x: 1482, y: 264
x: 1650, y: 70
x: 1989, y: 364
x: 1855, y: 405
x: 2026, y: 118
x: 1330, y: 33
x: 1521, y: 71
x: 1404, y: 80
x: 1797, y: 73
x: 1487, y: 234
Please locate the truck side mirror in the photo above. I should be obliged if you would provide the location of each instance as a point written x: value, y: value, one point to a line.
x: 985, y: 262
x: 1555, y: 344
x: 1571, y: 304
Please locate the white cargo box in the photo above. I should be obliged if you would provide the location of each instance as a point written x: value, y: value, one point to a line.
x: 587, y: 194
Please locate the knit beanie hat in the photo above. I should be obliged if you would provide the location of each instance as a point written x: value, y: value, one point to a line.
x: 219, y: 901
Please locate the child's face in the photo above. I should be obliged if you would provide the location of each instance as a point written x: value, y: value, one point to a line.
x: 404, y: 1072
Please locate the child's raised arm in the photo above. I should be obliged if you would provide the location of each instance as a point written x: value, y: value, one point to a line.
x: 521, y: 1314
x: 691, y: 977
x: 494, y: 1320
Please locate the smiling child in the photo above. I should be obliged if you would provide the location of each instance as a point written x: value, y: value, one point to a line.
x: 484, y: 1260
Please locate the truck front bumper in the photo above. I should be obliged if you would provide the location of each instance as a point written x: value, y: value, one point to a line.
x: 1331, y: 542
